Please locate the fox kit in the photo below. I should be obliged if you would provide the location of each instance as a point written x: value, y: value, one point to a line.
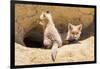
x: 74, y: 32
x: 51, y: 36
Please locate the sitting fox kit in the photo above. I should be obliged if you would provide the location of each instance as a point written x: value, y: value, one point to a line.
x: 51, y: 35
x: 74, y: 32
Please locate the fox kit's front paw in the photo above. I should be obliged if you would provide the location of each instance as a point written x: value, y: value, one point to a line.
x: 65, y: 42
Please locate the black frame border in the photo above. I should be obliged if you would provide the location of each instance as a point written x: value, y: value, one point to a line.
x: 12, y: 34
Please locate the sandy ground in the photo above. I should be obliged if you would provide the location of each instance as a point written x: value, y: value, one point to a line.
x: 82, y: 51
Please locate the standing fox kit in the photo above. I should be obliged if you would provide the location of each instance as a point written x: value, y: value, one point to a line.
x: 51, y: 35
x: 74, y: 32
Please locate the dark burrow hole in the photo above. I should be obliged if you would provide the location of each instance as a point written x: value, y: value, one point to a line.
x: 34, y: 39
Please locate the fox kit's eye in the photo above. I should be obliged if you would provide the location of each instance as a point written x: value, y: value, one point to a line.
x: 74, y: 33
x: 47, y: 11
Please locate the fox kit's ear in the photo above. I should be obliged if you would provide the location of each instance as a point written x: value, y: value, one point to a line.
x: 80, y: 27
x: 70, y: 26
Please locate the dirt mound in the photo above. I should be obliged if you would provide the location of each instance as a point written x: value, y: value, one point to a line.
x: 82, y: 51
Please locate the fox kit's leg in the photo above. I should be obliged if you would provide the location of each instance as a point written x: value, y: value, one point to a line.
x: 47, y: 43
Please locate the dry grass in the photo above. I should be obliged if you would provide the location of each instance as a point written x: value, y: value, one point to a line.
x: 82, y: 51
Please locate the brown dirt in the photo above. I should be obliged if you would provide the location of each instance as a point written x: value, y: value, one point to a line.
x: 82, y: 51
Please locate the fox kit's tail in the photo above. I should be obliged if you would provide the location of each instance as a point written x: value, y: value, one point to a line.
x: 54, y: 51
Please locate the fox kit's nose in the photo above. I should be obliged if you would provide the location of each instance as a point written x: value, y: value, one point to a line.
x: 75, y: 36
